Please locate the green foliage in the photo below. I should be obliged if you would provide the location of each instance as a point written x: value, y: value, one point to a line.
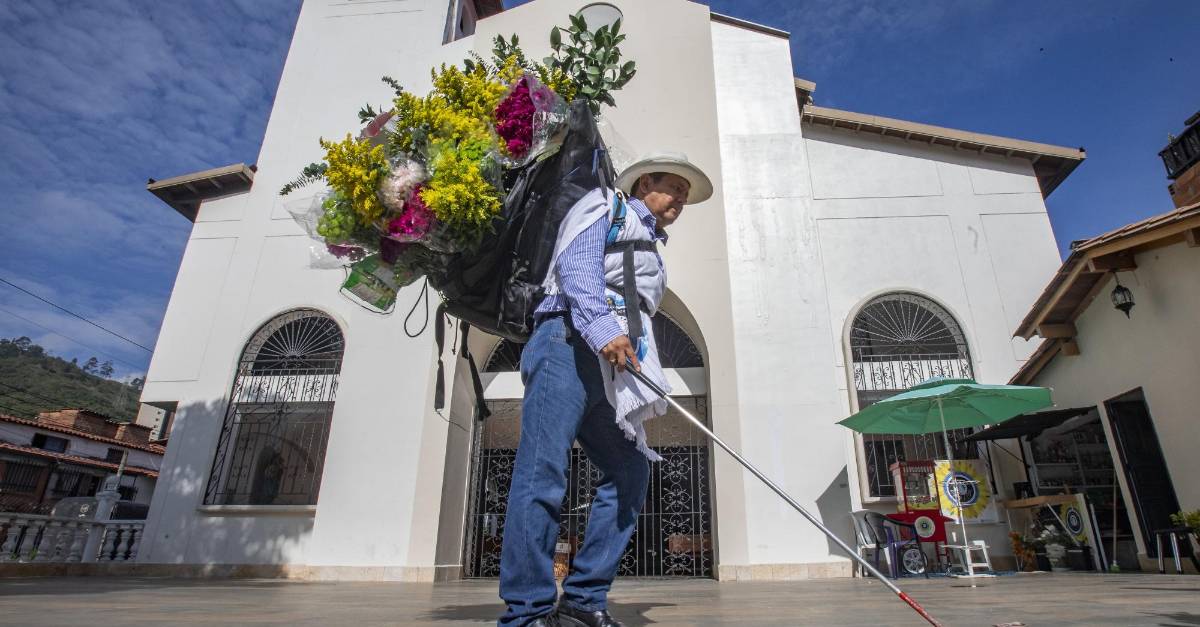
x: 592, y: 59
x: 311, y: 173
x: 1187, y: 519
x: 367, y: 113
x: 34, y: 381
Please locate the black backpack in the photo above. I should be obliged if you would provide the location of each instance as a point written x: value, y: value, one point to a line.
x: 496, y: 288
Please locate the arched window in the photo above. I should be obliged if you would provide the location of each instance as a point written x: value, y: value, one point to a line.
x: 675, y: 349
x: 897, y: 341
x: 272, y: 445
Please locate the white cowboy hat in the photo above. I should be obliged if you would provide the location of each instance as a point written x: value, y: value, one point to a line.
x: 672, y: 163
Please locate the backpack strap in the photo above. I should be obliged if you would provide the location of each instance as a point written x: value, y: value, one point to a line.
x: 633, y: 300
x: 481, y: 408
x: 617, y: 220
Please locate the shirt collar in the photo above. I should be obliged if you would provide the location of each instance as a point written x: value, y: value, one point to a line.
x: 648, y: 218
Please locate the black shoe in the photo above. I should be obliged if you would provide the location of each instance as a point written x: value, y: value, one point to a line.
x: 571, y: 617
x: 549, y: 620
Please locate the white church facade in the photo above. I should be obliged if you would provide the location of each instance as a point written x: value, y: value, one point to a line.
x: 842, y: 258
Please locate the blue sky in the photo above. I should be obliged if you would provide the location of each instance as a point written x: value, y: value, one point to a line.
x: 96, y: 97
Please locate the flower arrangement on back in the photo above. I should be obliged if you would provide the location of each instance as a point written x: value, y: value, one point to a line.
x: 426, y: 176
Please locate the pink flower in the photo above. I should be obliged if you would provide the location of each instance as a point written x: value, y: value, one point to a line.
x: 341, y: 252
x: 514, y: 119
x: 416, y: 220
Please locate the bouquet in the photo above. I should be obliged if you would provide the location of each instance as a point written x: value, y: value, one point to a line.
x: 425, y: 178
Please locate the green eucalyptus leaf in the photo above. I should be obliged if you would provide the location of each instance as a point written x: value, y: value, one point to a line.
x: 555, y: 37
x: 607, y: 99
x: 616, y: 26
x: 628, y: 67
x: 549, y: 61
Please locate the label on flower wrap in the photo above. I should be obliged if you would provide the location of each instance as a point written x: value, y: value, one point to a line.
x: 373, y: 282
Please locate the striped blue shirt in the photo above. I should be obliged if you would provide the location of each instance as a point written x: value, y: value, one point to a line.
x: 581, y: 278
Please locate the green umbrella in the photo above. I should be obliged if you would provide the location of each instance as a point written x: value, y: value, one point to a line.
x: 941, y: 404
x: 944, y: 404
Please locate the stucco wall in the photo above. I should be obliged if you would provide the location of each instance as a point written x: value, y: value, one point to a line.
x: 1155, y: 350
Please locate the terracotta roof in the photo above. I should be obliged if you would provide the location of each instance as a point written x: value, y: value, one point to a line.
x: 149, y: 448
x: 1091, y: 260
x: 1086, y: 270
x: 1052, y: 164
x: 75, y: 459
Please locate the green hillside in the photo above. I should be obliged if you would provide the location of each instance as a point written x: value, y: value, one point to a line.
x: 32, y: 380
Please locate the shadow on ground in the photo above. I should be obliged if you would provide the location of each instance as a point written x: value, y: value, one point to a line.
x: 631, y: 614
x: 59, y: 586
x: 1178, y: 619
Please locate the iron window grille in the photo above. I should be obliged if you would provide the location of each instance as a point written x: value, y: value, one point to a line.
x: 20, y: 477
x: 897, y: 341
x: 271, y: 450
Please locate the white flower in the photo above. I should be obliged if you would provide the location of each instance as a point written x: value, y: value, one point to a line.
x: 396, y: 186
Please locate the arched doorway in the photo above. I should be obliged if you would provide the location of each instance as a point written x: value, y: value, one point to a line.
x: 271, y: 450
x: 674, y: 535
x: 898, y: 340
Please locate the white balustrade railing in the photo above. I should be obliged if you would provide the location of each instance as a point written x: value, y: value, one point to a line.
x: 54, y: 539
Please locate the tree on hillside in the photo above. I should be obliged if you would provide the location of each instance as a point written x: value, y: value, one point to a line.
x: 91, y: 365
x: 106, y: 369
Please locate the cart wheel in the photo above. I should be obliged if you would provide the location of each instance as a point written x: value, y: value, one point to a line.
x: 914, y: 560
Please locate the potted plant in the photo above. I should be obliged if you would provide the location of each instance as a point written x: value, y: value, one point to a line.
x: 1025, y: 551
x: 1191, y: 520
x: 1055, y: 543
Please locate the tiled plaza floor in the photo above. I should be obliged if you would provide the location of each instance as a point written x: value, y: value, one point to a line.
x: 1034, y: 599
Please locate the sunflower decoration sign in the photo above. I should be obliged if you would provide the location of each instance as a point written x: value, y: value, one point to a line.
x: 963, y: 489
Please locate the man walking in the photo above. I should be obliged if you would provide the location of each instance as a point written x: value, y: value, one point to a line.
x: 606, y: 282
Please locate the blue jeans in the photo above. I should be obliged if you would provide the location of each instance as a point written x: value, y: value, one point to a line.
x: 565, y: 401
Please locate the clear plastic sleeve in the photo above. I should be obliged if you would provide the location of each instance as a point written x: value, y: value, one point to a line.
x: 529, y: 116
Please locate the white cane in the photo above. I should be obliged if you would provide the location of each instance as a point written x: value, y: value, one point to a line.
x: 784, y: 495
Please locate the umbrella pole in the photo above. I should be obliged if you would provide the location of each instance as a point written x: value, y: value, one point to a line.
x: 785, y: 496
x: 962, y: 517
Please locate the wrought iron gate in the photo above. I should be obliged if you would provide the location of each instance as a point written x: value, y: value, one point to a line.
x: 674, y: 531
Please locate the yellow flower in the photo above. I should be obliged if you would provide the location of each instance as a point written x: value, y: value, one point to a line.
x: 355, y: 170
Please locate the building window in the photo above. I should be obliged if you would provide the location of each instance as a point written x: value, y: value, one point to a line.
x: 271, y: 450
x: 897, y: 341
x: 114, y: 456
x: 49, y: 443
x: 20, y: 477
x: 72, y: 481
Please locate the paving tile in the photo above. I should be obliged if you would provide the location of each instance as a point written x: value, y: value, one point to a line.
x: 1037, y: 600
